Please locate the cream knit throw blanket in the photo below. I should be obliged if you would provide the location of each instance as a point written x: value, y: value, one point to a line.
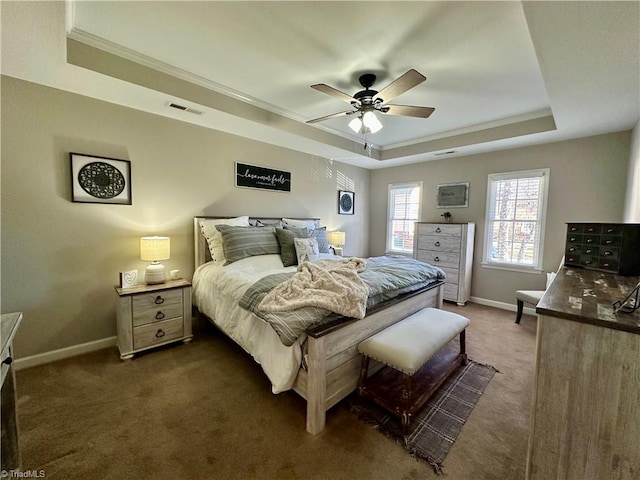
x: 330, y: 284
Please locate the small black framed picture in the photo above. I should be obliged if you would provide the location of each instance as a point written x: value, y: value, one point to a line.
x: 345, y: 202
x: 100, y: 179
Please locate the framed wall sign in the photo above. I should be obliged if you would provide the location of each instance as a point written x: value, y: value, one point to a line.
x: 252, y: 176
x: 452, y: 195
x: 100, y: 179
x: 346, y: 202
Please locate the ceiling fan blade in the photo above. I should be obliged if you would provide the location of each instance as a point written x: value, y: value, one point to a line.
x: 408, y: 111
x: 333, y: 115
x: 321, y: 87
x: 400, y: 85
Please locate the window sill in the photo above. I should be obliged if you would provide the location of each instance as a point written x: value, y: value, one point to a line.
x: 513, y: 268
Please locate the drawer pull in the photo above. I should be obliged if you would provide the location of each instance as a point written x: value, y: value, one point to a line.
x: 436, y: 259
x: 605, y: 265
x: 589, y: 240
x: 7, y: 361
x: 589, y: 250
x: 437, y: 244
x: 607, y: 253
x: 572, y: 249
x: 609, y: 230
x: 588, y: 262
x: 438, y: 230
x: 572, y: 239
x: 608, y: 242
x: 160, y: 333
x: 159, y: 300
x: 159, y: 315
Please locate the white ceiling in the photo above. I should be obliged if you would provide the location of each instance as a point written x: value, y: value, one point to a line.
x: 494, y: 69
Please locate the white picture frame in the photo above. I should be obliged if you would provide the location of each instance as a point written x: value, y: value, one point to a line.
x: 129, y: 279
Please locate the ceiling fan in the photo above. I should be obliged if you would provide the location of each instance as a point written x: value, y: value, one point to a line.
x: 368, y: 101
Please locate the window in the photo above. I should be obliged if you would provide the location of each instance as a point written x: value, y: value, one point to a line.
x: 403, y: 212
x: 516, y: 211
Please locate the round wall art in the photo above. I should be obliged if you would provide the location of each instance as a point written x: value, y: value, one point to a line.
x: 345, y: 202
x: 100, y: 179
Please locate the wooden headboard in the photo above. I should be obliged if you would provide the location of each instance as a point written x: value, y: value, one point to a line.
x: 201, y: 248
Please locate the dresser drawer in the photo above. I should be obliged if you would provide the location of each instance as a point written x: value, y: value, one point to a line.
x: 439, y: 259
x: 439, y: 243
x: 149, y: 335
x: 450, y: 292
x: 452, y: 274
x: 155, y: 307
x: 440, y: 229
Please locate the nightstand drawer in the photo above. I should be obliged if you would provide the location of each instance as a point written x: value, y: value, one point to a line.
x: 148, y: 335
x: 155, y: 307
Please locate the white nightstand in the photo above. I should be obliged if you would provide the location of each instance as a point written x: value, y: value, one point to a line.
x: 152, y: 315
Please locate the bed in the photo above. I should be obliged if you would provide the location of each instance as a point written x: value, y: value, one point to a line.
x: 323, y: 365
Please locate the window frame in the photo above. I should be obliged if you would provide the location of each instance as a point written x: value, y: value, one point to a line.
x: 397, y: 186
x: 536, y: 268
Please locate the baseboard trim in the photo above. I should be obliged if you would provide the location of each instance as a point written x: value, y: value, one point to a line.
x: 502, y: 305
x: 62, y: 353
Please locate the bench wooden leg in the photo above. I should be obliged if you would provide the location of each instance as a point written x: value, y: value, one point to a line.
x: 463, y: 346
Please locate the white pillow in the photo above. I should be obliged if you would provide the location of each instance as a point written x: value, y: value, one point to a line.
x: 308, y: 224
x: 214, y: 237
x: 306, y: 249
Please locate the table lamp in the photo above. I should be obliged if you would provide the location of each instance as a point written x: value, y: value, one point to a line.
x: 336, y: 240
x: 154, y: 249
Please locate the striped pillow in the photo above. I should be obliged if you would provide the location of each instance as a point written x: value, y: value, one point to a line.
x: 243, y: 242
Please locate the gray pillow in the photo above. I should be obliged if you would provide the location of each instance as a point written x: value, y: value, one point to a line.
x: 320, y: 234
x: 286, y: 241
x: 243, y: 242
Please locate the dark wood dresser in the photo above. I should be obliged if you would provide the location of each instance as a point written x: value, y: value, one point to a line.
x: 585, y: 417
x: 609, y: 247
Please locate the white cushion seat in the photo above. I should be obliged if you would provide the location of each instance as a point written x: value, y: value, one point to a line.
x: 531, y: 297
x: 407, y: 345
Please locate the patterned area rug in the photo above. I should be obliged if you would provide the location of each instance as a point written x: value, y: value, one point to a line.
x: 435, y: 428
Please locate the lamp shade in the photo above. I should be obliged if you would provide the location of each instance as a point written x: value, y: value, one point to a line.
x: 155, y: 248
x: 336, y: 238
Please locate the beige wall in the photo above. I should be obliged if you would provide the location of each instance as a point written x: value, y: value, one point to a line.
x: 587, y: 183
x: 60, y: 260
x: 632, y: 199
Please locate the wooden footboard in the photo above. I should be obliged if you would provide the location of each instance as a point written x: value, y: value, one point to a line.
x: 333, y: 361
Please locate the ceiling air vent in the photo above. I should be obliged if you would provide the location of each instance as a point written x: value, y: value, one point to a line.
x: 185, y: 109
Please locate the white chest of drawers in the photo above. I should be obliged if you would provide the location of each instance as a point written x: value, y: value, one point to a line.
x: 152, y: 315
x: 450, y: 247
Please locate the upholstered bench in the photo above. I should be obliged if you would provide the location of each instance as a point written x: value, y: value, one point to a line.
x: 414, y: 361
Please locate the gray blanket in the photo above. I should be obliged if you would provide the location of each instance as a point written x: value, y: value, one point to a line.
x: 384, y: 277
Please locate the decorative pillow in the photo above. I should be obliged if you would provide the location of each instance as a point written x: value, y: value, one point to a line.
x: 320, y: 234
x: 265, y: 223
x: 287, y: 246
x: 308, y: 224
x: 243, y: 242
x: 306, y: 249
x: 214, y: 237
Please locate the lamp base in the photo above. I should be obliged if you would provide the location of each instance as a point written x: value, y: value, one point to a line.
x: 154, y: 273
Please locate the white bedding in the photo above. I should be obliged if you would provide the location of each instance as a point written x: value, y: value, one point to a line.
x: 216, y: 292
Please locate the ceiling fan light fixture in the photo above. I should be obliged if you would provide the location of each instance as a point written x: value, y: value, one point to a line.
x: 355, y: 124
x: 371, y: 122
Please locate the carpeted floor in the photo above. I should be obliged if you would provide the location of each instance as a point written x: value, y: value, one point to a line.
x: 205, y: 411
